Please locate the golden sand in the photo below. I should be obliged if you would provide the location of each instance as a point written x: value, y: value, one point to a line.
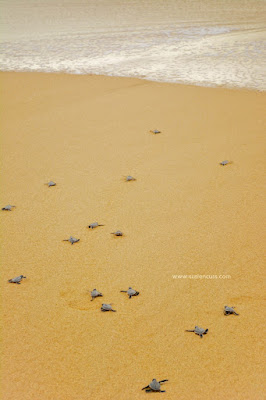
x: 185, y: 214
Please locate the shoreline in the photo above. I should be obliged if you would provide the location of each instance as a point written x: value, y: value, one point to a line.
x: 209, y: 86
x: 184, y: 215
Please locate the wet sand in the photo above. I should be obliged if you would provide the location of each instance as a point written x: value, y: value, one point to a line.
x: 185, y: 214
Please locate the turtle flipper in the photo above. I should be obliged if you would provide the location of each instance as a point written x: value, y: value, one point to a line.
x: 206, y: 331
x: 123, y: 291
x: 146, y: 387
x: 164, y: 380
x: 235, y: 313
x: 201, y: 336
x: 113, y: 310
x: 189, y: 330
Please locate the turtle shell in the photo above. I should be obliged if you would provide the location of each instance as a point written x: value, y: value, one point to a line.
x: 130, y: 178
x: 107, y: 307
x: 73, y: 240
x: 8, y: 207
x: 199, y: 331
x: 131, y: 292
x: 17, y: 279
x: 229, y: 309
x: 155, y: 385
x: 95, y: 293
x: 118, y: 233
x: 93, y: 225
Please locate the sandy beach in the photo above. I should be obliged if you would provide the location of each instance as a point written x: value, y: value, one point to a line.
x: 184, y: 215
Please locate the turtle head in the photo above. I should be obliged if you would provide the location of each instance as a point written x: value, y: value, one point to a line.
x: 130, y: 287
x: 94, y: 289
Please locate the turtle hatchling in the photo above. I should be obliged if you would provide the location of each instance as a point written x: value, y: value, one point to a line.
x: 95, y: 293
x: 17, y: 280
x: 8, y: 208
x: 225, y: 162
x: 130, y: 178
x: 154, y: 386
x: 72, y: 240
x: 117, y: 233
x: 94, y: 225
x: 199, y: 331
x: 131, y: 292
x: 229, y: 310
x: 155, y: 131
x: 107, y: 307
x: 51, y: 183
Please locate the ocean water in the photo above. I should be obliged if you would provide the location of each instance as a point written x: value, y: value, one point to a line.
x: 201, y: 42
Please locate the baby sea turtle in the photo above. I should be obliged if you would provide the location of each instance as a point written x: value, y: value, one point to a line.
x: 130, y: 178
x: 224, y: 162
x: 17, y: 280
x: 51, y: 183
x: 131, y: 292
x: 199, y: 331
x: 8, y: 207
x: 72, y: 240
x: 107, y: 307
x: 229, y: 310
x: 95, y: 293
x: 94, y: 225
x: 155, y: 131
x: 154, y: 386
x: 117, y: 233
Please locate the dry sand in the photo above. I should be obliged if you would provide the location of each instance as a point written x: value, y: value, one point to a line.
x: 185, y: 214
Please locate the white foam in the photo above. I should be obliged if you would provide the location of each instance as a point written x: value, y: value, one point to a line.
x: 199, y: 52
